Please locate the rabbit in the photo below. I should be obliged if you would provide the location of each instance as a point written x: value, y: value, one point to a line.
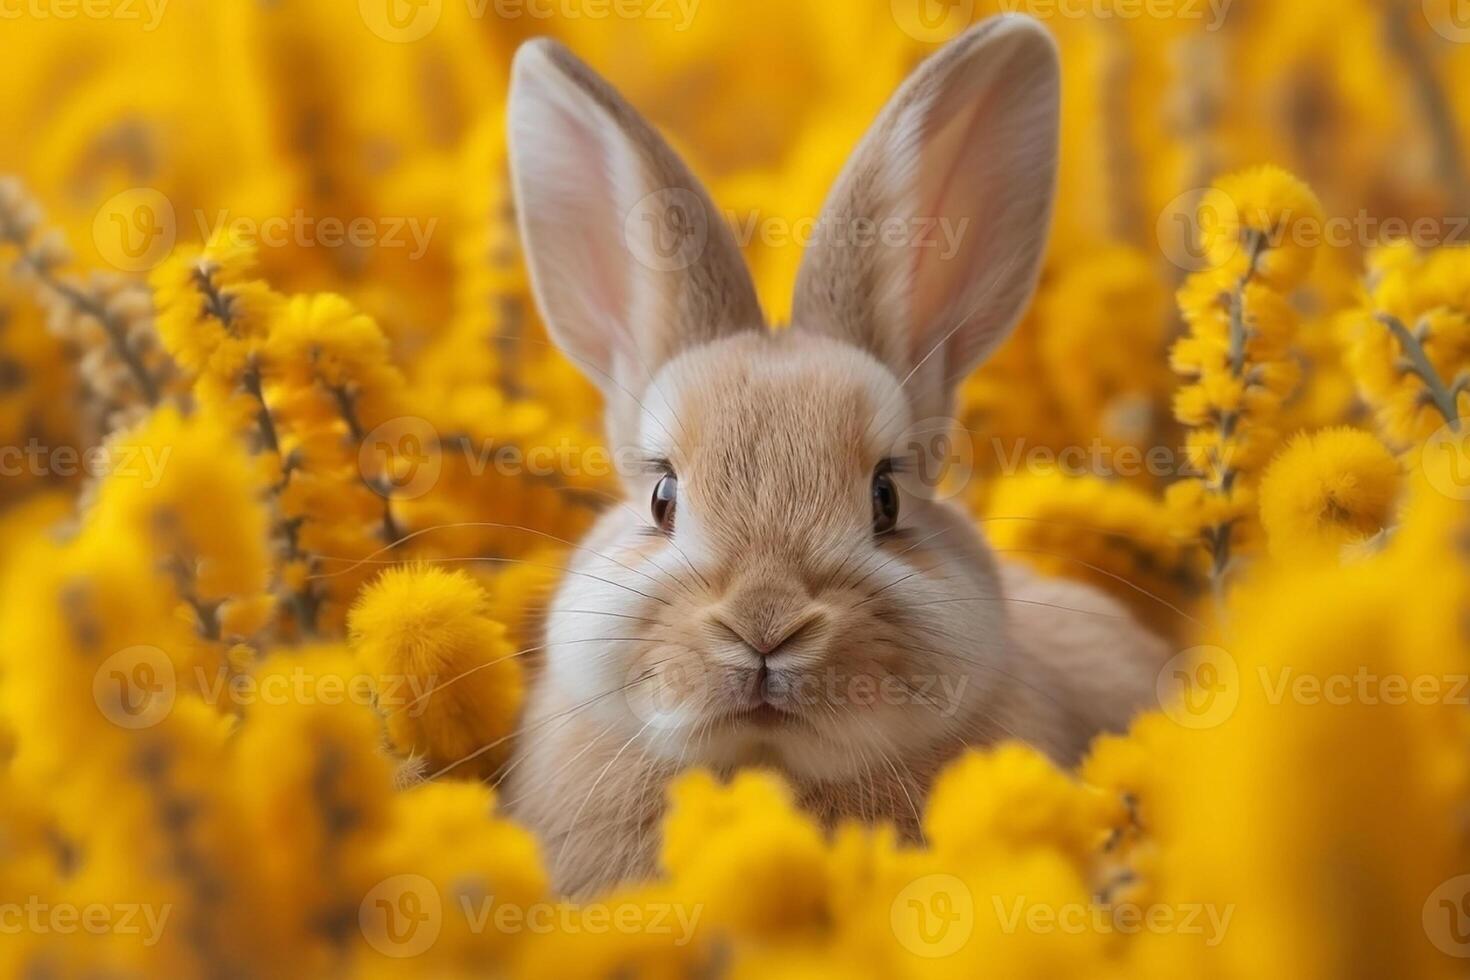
x: 779, y: 587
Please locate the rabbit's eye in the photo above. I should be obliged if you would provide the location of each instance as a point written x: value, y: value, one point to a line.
x: 885, y: 501
x: 664, y: 496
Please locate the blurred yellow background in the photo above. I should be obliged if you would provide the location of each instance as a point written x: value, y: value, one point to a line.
x: 265, y: 327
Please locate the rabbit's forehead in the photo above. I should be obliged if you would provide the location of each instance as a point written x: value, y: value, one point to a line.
x: 780, y: 415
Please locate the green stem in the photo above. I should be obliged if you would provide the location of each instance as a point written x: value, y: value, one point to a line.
x: 116, y: 331
x: 347, y: 408
x: 1439, y: 393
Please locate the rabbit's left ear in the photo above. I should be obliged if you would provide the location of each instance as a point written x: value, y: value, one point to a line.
x: 630, y: 262
x: 931, y: 242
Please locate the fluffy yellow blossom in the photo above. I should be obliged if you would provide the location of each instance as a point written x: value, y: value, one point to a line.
x: 1265, y: 220
x: 192, y: 487
x: 1328, y: 490
x: 447, y: 679
x: 214, y: 310
x: 1410, y: 341
x: 1011, y: 799
x: 757, y: 864
x: 1259, y: 229
x: 1109, y: 534
x: 274, y: 334
x: 1325, y: 674
x: 315, y: 784
x: 445, y: 848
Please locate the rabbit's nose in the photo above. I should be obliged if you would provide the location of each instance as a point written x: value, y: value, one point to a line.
x: 769, y: 635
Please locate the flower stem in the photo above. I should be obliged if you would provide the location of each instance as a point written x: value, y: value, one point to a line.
x: 90, y: 306
x: 1439, y: 393
x: 347, y: 408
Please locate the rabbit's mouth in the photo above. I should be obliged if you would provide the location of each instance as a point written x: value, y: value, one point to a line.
x: 765, y: 715
x: 764, y: 703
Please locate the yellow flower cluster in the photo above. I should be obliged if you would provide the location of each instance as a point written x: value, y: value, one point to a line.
x: 282, y: 505
x: 1236, y: 357
x: 1328, y: 491
x: 1411, y: 344
x: 1108, y: 533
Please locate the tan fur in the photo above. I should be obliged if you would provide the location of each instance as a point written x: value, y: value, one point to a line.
x: 892, y: 652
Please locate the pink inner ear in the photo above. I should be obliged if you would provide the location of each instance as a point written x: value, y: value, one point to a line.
x: 568, y: 149
x: 608, y: 287
x: 986, y: 147
x: 951, y: 192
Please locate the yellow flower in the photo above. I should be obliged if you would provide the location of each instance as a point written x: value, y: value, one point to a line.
x: 191, y: 487
x: 444, y: 846
x: 327, y: 333
x: 757, y: 865
x: 448, y: 681
x: 1010, y: 799
x: 313, y: 784
x: 1327, y: 491
x: 1259, y: 229
x: 1113, y: 535
x: 1410, y: 342
x: 213, y: 311
x: 1135, y: 766
x: 1264, y: 209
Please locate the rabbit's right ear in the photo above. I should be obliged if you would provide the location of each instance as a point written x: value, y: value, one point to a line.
x: 931, y: 241
x: 630, y: 262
